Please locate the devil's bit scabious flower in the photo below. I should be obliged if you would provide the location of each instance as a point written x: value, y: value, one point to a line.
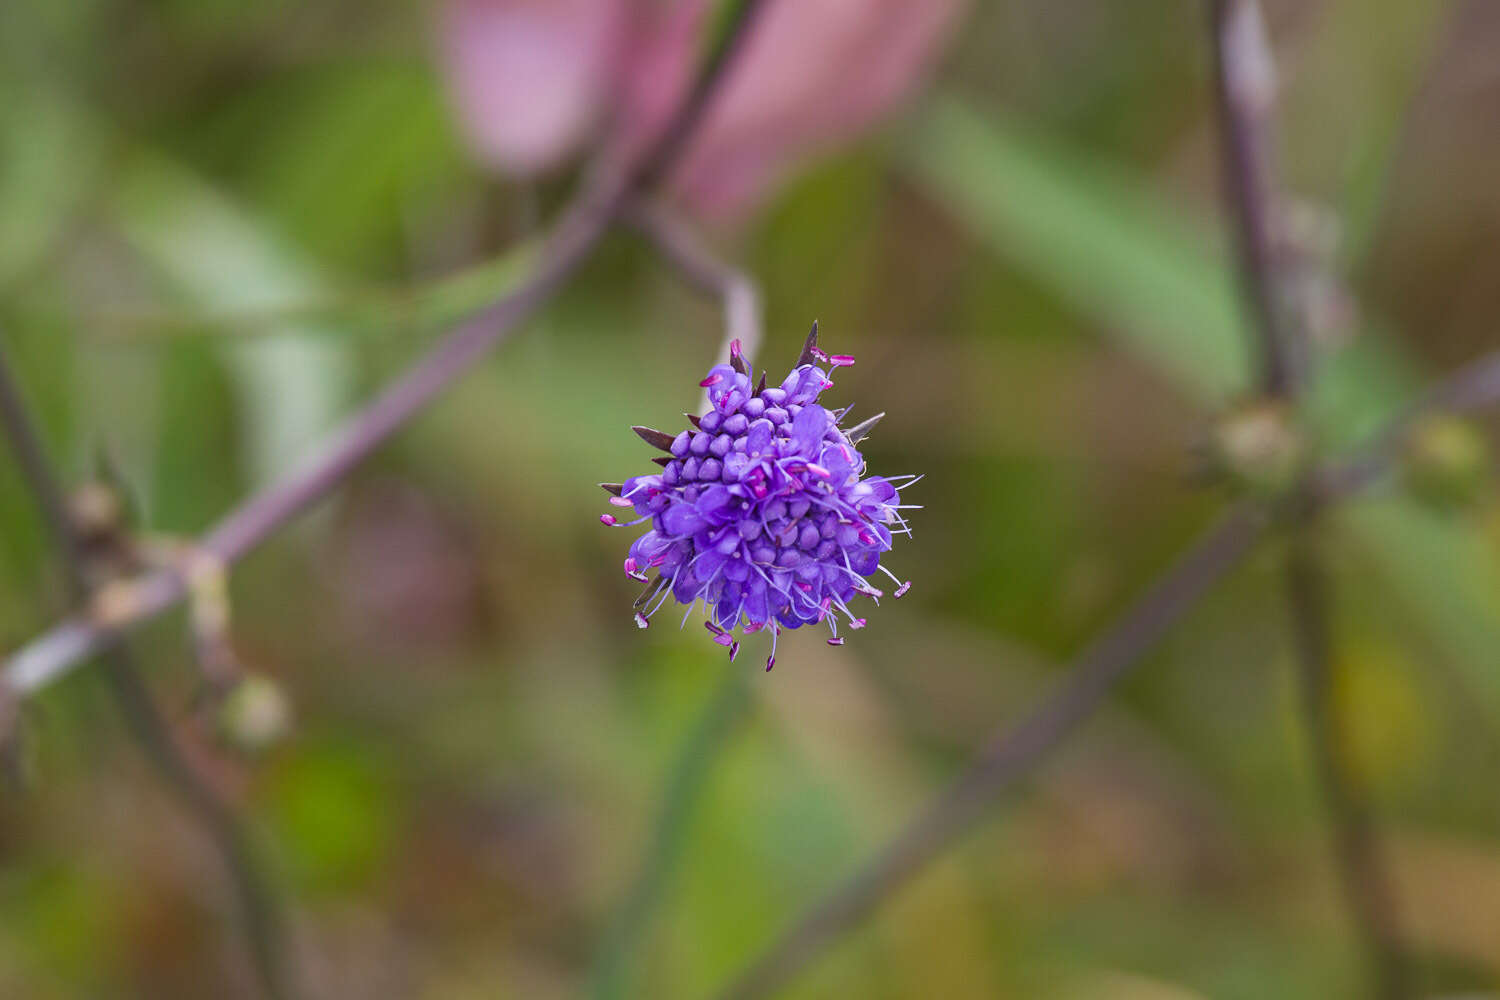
x: 762, y: 510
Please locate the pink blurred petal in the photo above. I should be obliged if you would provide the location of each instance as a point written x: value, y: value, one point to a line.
x: 529, y: 78
x: 814, y: 75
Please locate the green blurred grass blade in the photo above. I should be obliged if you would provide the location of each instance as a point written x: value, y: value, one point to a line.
x: 50, y: 163
x: 1392, y: 45
x: 456, y: 297
x: 419, y: 308
x: 1118, y: 253
x: 624, y: 940
x: 214, y: 255
x: 343, y: 157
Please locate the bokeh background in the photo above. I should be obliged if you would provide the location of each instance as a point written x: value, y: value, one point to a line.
x: 224, y: 224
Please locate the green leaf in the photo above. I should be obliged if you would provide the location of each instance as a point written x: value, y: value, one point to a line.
x: 213, y: 254
x: 1109, y: 246
x: 50, y: 162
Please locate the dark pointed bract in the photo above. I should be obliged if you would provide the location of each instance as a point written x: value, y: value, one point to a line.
x: 809, y: 349
x: 655, y: 438
x: 653, y: 588
x: 861, y: 430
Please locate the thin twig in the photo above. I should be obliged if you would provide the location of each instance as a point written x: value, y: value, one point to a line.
x: 622, y: 941
x: 1365, y: 881
x: 261, y: 916
x: 570, y: 243
x: 1472, y: 386
x: 698, y: 265
x: 51, y: 503
x: 664, y: 154
x: 1245, y: 89
x: 260, y: 910
x: 1012, y: 753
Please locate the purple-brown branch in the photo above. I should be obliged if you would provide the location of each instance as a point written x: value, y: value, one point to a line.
x: 1245, y: 84
x: 736, y: 291
x: 571, y: 242
x: 1014, y: 751
x: 1245, y: 91
x: 1473, y: 386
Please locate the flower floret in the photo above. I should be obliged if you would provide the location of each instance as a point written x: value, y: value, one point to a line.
x: 762, y: 509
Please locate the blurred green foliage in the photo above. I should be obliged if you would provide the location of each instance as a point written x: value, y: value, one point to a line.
x: 222, y: 225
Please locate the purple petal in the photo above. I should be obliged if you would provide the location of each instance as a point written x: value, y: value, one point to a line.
x: 714, y: 501
x: 685, y: 586
x: 808, y: 428
x: 709, y: 563
x: 727, y: 611
x: 682, y: 519
x: 755, y: 605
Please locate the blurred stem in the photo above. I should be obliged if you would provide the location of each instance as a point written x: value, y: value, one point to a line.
x: 258, y: 908
x: 1245, y: 89
x: 1470, y: 387
x: 624, y: 940
x: 675, y: 240
x: 1012, y: 753
x: 1245, y: 82
x: 656, y: 164
x: 1366, y: 883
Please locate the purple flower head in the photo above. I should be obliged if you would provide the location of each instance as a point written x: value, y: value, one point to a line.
x: 762, y: 508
